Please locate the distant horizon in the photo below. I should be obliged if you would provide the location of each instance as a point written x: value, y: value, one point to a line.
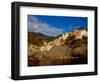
x: 55, y: 25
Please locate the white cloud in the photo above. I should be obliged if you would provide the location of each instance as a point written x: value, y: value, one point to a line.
x: 35, y: 25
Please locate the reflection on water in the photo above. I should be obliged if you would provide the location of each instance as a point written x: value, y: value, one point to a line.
x: 46, y: 60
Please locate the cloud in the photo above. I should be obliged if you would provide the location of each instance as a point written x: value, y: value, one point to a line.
x: 36, y: 25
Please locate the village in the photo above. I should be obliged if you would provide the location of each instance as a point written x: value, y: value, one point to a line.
x: 60, y: 41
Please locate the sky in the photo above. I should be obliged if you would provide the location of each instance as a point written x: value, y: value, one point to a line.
x: 55, y: 25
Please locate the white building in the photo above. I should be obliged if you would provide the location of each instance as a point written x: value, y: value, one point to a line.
x: 65, y: 35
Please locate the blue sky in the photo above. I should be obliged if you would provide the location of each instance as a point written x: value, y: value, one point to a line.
x: 55, y: 25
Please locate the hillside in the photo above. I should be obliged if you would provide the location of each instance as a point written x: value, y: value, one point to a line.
x: 38, y: 38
